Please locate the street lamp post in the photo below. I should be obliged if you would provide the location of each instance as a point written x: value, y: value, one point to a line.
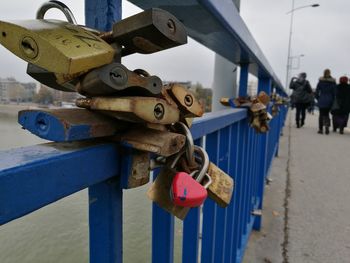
x: 289, y: 58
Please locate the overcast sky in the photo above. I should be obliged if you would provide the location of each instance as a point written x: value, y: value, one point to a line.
x: 321, y: 34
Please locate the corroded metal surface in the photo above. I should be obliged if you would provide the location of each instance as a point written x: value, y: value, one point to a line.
x: 140, y: 169
x: 133, y: 109
x: 159, y: 142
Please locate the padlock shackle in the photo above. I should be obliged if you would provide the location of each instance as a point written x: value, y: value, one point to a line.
x: 56, y: 4
x: 205, y: 162
x: 189, y: 142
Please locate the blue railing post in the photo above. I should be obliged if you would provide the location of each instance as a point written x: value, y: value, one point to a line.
x: 102, y: 14
x: 264, y: 84
x: 243, y: 80
x: 106, y: 221
x: 106, y: 198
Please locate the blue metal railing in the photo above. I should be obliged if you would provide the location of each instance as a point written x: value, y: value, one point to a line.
x: 35, y: 176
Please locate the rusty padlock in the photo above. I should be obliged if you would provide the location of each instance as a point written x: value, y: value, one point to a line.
x: 133, y: 109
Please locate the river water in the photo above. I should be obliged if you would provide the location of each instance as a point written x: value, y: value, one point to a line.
x: 59, y: 232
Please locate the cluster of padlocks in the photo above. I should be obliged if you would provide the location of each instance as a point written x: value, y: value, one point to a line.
x: 154, y: 119
x: 259, y: 117
x: 278, y: 102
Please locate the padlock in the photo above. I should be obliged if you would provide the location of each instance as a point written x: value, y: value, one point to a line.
x: 222, y: 185
x: 186, y: 190
x: 133, y: 109
x: 72, y: 48
x: 160, y: 189
x: 263, y: 98
x: 150, y: 31
x: 162, y: 143
x: 185, y: 100
x: 50, y: 79
x: 274, y: 110
x: 116, y: 79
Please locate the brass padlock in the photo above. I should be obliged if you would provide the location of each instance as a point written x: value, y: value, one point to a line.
x: 263, y: 98
x: 133, y: 109
x: 185, y: 100
x: 54, y: 45
x: 221, y: 187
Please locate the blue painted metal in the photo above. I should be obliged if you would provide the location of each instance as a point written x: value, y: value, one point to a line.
x: 105, y: 221
x: 218, y: 25
x: 263, y: 85
x: 106, y: 198
x: 210, y: 208
x: 67, y: 124
x: 214, y: 121
x: 243, y: 80
x: 162, y: 235
x: 102, y: 14
x: 35, y: 176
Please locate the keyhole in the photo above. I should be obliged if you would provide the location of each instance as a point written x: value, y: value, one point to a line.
x: 29, y: 47
x: 171, y: 25
x: 159, y: 111
x: 188, y: 100
x: 118, y: 76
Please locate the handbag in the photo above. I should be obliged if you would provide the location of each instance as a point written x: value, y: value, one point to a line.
x: 335, y: 107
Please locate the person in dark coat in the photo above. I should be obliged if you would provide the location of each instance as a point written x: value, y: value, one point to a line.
x: 341, y: 114
x: 325, y: 94
x: 301, y: 97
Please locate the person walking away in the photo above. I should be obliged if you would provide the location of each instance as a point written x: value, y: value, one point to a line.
x: 325, y: 93
x: 301, y: 97
x: 341, y: 108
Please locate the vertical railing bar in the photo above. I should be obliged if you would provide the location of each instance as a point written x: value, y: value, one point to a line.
x: 190, y: 239
x: 235, y: 196
x: 246, y: 183
x: 264, y: 84
x: 191, y: 230
x: 251, y: 176
x: 221, y: 213
x: 234, y: 134
x: 105, y: 198
x: 162, y: 235
x: 209, y: 208
x: 106, y: 221
x: 239, y: 188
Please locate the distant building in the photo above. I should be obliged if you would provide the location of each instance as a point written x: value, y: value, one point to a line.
x: 13, y: 91
x: 186, y: 84
x: 30, y: 90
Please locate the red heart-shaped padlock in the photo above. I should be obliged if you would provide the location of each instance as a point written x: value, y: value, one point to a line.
x: 186, y: 191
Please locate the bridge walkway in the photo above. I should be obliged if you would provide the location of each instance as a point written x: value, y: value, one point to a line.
x: 306, y: 206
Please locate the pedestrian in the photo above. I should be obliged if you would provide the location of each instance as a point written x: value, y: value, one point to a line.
x: 341, y: 106
x: 301, y: 97
x: 325, y: 93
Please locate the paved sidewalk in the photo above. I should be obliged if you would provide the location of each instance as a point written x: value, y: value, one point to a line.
x: 307, y: 205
